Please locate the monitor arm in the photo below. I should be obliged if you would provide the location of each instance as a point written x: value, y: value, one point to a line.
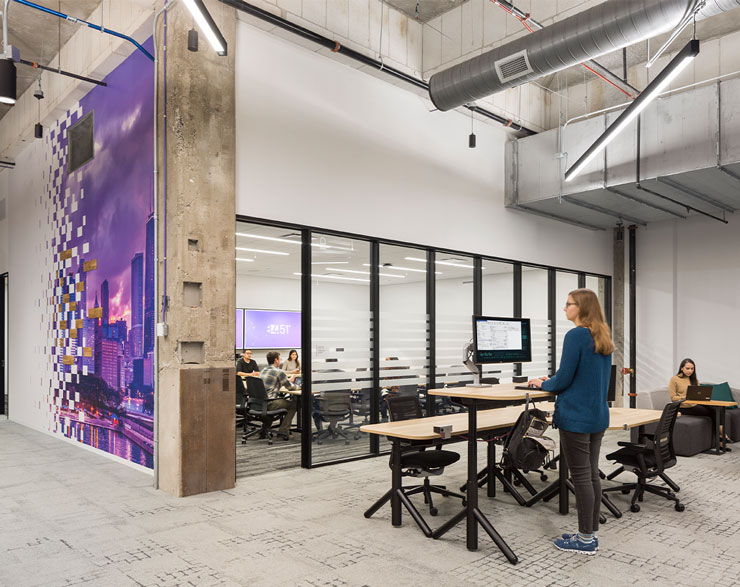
x: 469, y: 362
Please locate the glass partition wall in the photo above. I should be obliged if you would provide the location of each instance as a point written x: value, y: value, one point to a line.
x: 370, y: 319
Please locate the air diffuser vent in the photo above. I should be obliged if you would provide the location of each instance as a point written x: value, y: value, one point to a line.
x: 513, y: 66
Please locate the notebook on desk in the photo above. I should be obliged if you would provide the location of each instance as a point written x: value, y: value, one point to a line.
x: 699, y: 393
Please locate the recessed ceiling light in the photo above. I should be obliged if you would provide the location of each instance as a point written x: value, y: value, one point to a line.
x: 269, y: 238
x: 448, y: 263
x: 245, y: 260
x: 261, y: 251
x: 337, y: 277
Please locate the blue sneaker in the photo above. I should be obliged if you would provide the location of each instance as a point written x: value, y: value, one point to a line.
x: 569, y: 536
x: 573, y: 544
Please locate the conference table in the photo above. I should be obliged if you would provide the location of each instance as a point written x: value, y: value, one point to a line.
x: 470, y: 425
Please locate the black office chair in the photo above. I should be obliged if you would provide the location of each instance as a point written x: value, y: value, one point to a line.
x: 241, y: 407
x: 361, y: 403
x: 257, y: 411
x: 648, y: 461
x: 334, y: 406
x: 421, y: 462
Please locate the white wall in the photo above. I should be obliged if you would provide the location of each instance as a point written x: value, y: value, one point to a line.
x: 688, y: 279
x: 325, y: 145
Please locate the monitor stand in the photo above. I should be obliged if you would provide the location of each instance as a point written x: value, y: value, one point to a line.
x: 476, y: 382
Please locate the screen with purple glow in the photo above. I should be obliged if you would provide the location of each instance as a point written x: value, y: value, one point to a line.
x: 267, y: 329
x: 239, y: 328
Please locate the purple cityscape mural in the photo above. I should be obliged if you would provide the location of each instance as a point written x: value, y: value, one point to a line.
x: 102, y: 284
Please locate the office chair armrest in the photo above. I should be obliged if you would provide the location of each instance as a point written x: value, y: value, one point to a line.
x: 632, y: 445
x: 646, y: 435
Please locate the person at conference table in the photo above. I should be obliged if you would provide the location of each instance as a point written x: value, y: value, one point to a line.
x: 678, y: 386
x: 247, y: 366
x: 581, y: 410
x: 275, y: 379
x: 292, y: 365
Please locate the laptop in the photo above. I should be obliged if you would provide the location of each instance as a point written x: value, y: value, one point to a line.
x: 699, y: 393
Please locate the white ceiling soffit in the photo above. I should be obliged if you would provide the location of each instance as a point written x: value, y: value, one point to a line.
x: 689, y: 164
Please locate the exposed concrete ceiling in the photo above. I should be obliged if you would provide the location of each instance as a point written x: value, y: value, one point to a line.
x: 38, y: 36
x: 424, y: 10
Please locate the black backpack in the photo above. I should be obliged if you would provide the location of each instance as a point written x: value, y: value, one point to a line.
x: 525, y: 446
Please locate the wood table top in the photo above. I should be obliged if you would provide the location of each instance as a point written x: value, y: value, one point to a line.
x: 499, y: 392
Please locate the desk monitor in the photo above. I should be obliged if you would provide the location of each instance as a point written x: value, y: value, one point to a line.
x: 501, y: 340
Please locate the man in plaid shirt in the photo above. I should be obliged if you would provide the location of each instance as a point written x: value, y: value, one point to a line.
x: 275, y: 379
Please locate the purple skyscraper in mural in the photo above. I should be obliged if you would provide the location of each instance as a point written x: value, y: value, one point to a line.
x: 149, y: 288
x: 136, y: 337
x: 105, y: 301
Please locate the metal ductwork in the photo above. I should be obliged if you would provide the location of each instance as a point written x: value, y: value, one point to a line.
x: 587, y: 35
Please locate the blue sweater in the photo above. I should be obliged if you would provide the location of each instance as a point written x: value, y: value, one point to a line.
x: 581, y: 384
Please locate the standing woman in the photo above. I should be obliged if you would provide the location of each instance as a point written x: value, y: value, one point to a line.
x: 581, y: 410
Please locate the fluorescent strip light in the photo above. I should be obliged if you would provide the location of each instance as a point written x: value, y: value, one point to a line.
x: 397, y: 268
x: 261, y: 251
x: 269, y: 238
x: 330, y: 263
x: 338, y: 277
x: 366, y: 272
x: 207, y: 25
x: 245, y: 260
x: 665, y: 77
x: 449, y: 263
x: 324, y: 246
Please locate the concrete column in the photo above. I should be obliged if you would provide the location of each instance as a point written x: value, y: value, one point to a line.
x: 618, y: 312
x: 196, y: 359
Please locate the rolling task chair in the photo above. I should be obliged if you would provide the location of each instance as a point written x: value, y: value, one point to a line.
x: 257, y: 409
x: 649, y: 461
x: 334, y: 406
x: 241, y: 407
x: 421, y: 463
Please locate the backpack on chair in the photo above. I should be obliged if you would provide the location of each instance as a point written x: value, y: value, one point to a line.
x: 526, y: 447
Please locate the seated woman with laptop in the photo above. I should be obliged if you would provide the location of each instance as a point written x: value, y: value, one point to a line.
x: 679, y: 388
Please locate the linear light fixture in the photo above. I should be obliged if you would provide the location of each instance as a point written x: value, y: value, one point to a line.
x: 245, y: 260
x: 330, y: 263
x: 269, y: 238
x: 365, y: 272
x: 261, y: 251
x: 337, y: 277
x: 7, y: 81
x: 399, y: 268
x: 670, y: 72
x: 449, y: 263
x: 207, y: 25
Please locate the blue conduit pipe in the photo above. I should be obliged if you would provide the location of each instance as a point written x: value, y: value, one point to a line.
x: 81, y: 21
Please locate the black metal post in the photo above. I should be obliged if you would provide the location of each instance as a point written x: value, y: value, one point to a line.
x: 552, y: 317
x: 581, y: 280
x: 517, y: 304
x: 3, y: 281
x: 608, y: 301
x: 633, y: 317
x: 306, y: 403
x: 431, y: 331
x: 375, y: 341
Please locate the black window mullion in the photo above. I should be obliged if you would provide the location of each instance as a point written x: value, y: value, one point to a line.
x: 517, y: 304
x: 551, y: 316
x: 375, y: 340
x: 306, y: 370
x: 581, y: 280
x: 432, y: 330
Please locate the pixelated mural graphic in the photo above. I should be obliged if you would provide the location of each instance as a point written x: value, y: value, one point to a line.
x: 99, y: 309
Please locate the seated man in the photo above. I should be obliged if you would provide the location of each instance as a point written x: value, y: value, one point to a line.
x: 275, y: 379
x: 247, y: 366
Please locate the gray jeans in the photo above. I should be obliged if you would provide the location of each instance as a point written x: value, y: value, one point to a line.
x: 582, y: 456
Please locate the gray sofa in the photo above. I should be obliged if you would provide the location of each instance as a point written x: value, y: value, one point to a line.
x: 691, y: 434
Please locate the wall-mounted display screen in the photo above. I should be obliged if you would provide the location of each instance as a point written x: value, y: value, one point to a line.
x: 502, y: 340
x: 271, y: 329
x: 239, y: 328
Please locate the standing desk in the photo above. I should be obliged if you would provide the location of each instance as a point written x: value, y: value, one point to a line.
x: 720, y: 443
x: 421, y: 430
x: 471, y: 513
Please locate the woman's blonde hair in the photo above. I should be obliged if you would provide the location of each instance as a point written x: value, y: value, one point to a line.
x: 591, y: 316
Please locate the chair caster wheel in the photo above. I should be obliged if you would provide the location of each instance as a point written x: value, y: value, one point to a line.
x: 433, y: 511
x: 346, y: 442
x: 464, y: 502
x: 517, y: 483
x: 680, y: 507
x: 635, y: 508
x: 543, y: 477
x: 625, y: 491
x: 244, y: 442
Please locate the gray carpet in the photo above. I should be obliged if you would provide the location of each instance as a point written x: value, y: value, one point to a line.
x: 71, y: 517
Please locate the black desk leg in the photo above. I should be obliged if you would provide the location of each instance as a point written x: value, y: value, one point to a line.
x: 396, y: 486
x: 563, y: 481
x: 491, y: 467
x: 471, y: 513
